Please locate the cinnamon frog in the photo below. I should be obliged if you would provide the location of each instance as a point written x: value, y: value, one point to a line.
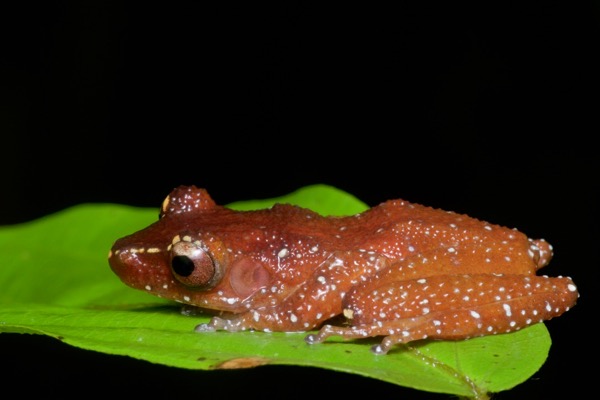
x: 399, y: 270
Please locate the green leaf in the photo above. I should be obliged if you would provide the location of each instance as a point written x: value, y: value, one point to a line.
x: 56, y: 281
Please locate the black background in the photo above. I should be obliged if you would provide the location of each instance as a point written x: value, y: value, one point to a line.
x: 489, y: 111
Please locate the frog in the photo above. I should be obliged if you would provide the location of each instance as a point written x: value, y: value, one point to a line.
x: 398, y: 272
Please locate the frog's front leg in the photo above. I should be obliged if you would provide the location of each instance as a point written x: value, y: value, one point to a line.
x: 450, y: 307
x: 316, y: 300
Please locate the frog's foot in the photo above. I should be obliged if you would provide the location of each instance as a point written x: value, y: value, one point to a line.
x: 331, y: 330
x: 364, y: 331
x: 222, y: 324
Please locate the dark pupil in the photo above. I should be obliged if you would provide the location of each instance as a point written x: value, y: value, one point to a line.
x: 182, y: 265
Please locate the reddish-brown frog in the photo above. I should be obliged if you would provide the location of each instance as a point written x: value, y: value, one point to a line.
x: 399, y: 270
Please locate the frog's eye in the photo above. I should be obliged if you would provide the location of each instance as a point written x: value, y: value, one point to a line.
x: 193, y: 266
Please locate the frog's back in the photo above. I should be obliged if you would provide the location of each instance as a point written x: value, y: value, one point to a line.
x: 400, y: 229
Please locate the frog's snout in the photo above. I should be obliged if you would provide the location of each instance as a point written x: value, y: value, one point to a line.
x: 126, y: 264
x: 119, y: 261
x: 139, y: 267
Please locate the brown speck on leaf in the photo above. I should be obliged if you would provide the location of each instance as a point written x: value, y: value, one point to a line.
x: 237, y: 363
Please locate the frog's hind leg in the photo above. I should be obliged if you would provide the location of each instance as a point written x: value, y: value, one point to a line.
x: 451, y: 308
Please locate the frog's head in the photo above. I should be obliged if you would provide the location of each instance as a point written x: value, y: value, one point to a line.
x: 183, y: 255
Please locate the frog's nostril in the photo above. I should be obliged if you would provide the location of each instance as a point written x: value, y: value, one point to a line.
x: 121, y: 261
x: 115, y: 260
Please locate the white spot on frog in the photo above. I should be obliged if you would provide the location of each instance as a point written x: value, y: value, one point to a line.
x: 283, y: 253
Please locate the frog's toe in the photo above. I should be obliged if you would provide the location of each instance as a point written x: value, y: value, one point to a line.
x: 313, y: 338
x: 387, y: 343
x: 321, y: 336
x: 204, y: 328
x: 215, y: 324
x: 379, y: 349
x: 541, y: 252
x: 331, y: 330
